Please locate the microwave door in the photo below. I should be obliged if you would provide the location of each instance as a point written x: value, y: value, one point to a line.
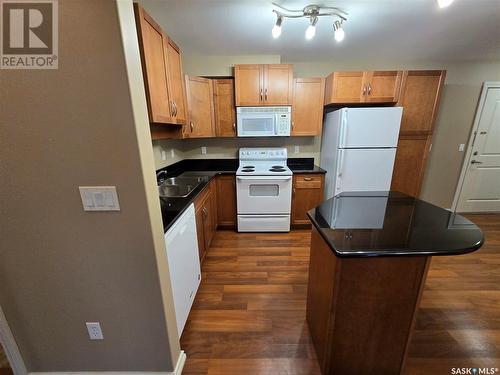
x: 256, y: 125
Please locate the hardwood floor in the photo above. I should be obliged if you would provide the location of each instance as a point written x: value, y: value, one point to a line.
x: 249, y: 313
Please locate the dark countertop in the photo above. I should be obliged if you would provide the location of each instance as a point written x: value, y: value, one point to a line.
x: 392, y: 224
x: 172, y: 208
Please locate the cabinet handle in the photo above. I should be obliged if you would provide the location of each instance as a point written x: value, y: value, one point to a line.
x: 476, y: 162
x: 293, y: 125
x: 369, y: 89
x: 175, y: 108
x: 261, y: 98
x: 266, y: 95
x: 364, y: 90
x: 171, y: 108
x: 308, y: 179
x: 234, y: 127
x: 191, y: 126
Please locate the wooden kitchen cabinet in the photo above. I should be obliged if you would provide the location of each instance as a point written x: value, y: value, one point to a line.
x: 362, y: 87
x: 307, y: 193
x: 206, y: 218
x: 224, y: 107
x: 162, y: 70
x: 226, y: 201
x: 307, y: 107
x: 201, y: 112
x: 263, y: 84
x: 420, y: 95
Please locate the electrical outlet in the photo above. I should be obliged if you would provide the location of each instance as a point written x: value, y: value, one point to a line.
x: 172, y: 153
x: 163, y: 155
x: 461, y: 147
x: 94, y: 329
x: 297, y: 149
x: 203, y: 150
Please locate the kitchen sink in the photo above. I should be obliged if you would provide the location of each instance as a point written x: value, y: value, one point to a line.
x: 178, y: 187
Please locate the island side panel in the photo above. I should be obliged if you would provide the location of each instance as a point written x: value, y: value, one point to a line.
x: 360, y: 310
x: 322, y: 271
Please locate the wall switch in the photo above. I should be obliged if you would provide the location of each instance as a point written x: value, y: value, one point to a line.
x: 163, y: 155
x: 94, y: 330
x: 172, y: 153
x: 297, y: 149
x: 461, y: 147
x: 203, y: 150
x: 99, y: 198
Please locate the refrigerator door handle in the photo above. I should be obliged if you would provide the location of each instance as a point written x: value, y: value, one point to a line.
x: 340, y: 170
x: 343, y: 130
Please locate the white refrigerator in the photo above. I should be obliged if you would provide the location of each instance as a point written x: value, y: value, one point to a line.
x: 358, y: 149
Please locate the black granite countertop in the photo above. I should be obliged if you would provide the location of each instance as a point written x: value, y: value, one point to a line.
x: 172, y: 208
x: 392, y: 224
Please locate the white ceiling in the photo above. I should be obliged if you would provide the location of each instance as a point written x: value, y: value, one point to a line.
x: 402, y: 30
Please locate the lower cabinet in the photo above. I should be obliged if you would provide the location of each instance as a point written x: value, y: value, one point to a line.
x: 206, y: 217
x: 307, y: 194
x: 226, y: 202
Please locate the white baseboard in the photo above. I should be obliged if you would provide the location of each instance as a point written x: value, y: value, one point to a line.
x: 177, y: 371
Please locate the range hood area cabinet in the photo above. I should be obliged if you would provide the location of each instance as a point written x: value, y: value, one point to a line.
x: 263, y: 84
x: 363, y: 87
x: 163, y: 76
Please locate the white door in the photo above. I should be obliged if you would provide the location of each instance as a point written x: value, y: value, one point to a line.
x: 370, y: 127
x: 481, y: 185
x: 364, y: 169
x: 262, y: 195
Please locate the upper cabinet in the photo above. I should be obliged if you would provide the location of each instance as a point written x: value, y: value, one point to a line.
x: 224, y: 109
x: 420, y: 92
x: 268, y: 84
x: 362, y: 87
x: 201, y: 112
x: 162, y: 70
x: 307, y: 108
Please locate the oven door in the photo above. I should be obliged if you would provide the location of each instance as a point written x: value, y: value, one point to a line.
x: 256, y: 124
x: 261, y: 195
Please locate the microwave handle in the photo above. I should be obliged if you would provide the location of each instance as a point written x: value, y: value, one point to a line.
x: 276, y: 119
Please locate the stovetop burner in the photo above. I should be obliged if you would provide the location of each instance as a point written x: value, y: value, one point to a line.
x: 248, y: 167
x: 248, y: 170
x: 281, y: 169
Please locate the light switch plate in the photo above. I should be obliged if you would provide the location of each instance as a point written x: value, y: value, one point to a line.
x: 99, y: 198
x: 461, y: 147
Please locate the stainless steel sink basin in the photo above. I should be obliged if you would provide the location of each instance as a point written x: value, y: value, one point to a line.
x: 178, y: 187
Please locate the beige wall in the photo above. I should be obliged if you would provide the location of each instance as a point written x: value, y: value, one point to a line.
x: 61, y: 266
x: 454, y: 121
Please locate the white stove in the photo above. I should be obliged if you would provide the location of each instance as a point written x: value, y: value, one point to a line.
x: 263, y: 190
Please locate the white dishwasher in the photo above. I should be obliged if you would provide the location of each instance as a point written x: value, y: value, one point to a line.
x: 181, y: 242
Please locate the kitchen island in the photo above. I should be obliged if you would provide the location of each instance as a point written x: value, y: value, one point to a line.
x: 369, y: 258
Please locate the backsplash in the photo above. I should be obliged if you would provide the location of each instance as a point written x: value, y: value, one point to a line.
x: 227, y: 148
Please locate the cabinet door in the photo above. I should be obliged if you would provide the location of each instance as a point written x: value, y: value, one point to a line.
x: 307, y: 110
x: 382, y: 87
x: 344, y: 87
x: 409, y: 166
x: 208, y: 220
x: 154, y: 67
x: 420, y: 93
x: 200, y: 104
x: 307, y: 194
x: 200, y: 233
x: 278, y: 83
x: 176, y: 82
x: 248, y: 82
x: 224, y: 109
x: 226, y: 201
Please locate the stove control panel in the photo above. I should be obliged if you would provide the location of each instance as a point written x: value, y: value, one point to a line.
x: 263, y: 153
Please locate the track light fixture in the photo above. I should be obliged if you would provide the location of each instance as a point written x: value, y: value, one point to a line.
x: 312, y: 12
x: 444, y: 3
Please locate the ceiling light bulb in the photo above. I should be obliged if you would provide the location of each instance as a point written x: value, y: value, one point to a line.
x: 339, y: 31
x: 444, y: 3
x: 311, y: 29
x: 277, y: 27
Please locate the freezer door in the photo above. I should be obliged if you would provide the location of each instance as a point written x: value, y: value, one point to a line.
x: 364, y: 169
x: 370, y: 127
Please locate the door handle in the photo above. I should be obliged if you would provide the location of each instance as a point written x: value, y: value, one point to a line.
x: 476, y: 162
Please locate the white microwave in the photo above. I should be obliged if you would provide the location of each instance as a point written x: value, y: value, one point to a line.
x: 264, y: 121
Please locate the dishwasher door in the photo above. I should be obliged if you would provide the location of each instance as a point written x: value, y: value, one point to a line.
x: 181, y: 242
